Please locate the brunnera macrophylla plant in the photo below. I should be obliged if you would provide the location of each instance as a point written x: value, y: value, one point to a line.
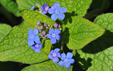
x: 56, y: 37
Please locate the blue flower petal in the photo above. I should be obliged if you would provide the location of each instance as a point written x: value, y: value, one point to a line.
x: 51, y: 10
x: 53, y: 40
x: 30, y: 31
x: 57, y: 31
x: 61, y: 16
x: 36, y: 38
x: 28, y: 37
x: 30, y: 43
x: 37, y: 50
x: 58, y: 54
x: 40, y: 46
x: 69, y: 55
x: 55, y: 60
x: 38, y: 41
x: 32, y: 47
x: 71, y: 61
x: 35, y: 31
x: 63, y: 56
x: 67, y: 65
x: 58, y: 37
x: 42, y: 8
x: 51, y: 52
x: 56, y: 50
x: 54, y: 17
x: 50, y: 56
x: 61, y: 63
x: 51, y: 31
x: 44, y: 12
x: 32, y: 7
x: 49, y: 36
x: 56, y: 5
x: 63, y: 9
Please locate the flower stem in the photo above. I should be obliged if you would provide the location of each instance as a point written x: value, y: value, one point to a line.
x: 62, y: 43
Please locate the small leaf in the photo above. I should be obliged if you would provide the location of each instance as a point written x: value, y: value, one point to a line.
x: 98, y: 55
x: 11, y: 6
x: 106, y: 21
x: 27, y: 4
x: 74, y: 52
x: 47, y: 47
x: 53, y: 66
x: 32, y: 17
x: 14, y: 47
x: 34, y: 68
x: 4, y: 30
x: 78, y: 7
x: 79, y: 32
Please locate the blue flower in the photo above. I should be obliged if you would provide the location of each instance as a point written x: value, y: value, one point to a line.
x: 56, y: 11
x: 32, y: 7
x: 54, y: 35
x: 32, y: 36
x: 45, y: 8
x: 54, y: 54
x: 37, y: 46
x: 66, y: 60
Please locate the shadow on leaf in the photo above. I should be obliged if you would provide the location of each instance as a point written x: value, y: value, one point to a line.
x: 84, y: 64
x: 100, y: 44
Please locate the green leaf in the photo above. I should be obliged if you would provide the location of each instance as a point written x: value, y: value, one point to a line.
x: 47, y: 47
x: 4, y: 30
x: 78, y: 32
x: 14, y: 47
x: 11, y: 6
x: 98, y: 55
x: 32, y: 17
x: 53, y: 66
x: 27, y: 4
x: 77, y: 6
x: 34, y: 68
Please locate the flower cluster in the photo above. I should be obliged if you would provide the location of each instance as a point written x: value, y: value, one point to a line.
x: 65, y: 60
x: 47, y: 31
x: 34, y: 41
x: 55, y: 10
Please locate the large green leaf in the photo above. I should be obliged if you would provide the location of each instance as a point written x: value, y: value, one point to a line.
x: 53, y: 66
x: 77, y: 6
x: 32, y: 17
x: 11, y: 6
x: 98, y: 55
x: 4, y: 30
x: 78, y: 32
x: 27, y: 4
x: 34, y: 68
x: 14, y: 47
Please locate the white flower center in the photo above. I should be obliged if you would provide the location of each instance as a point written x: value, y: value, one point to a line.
x: 57, y: 11
x: 66, y: 60
x: 32, y: 36
x: 54, y: 54
x: 53, y: 35
x: 36, y: 45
